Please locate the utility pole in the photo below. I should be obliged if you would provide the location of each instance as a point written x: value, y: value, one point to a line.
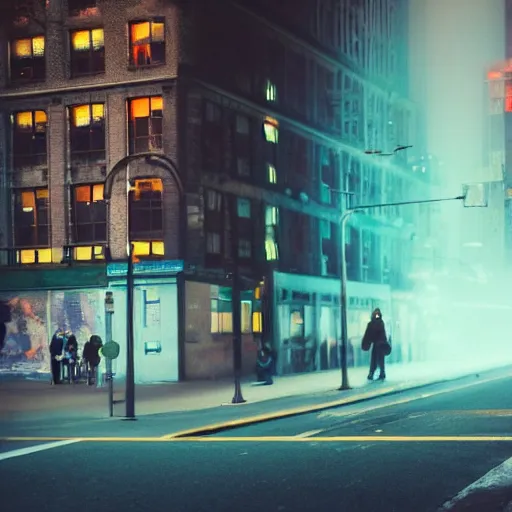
x: 235, y: 302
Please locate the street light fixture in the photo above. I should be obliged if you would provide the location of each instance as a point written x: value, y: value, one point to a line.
x: 474, y: 195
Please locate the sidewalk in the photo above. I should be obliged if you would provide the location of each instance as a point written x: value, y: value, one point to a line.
x: 24, y: 398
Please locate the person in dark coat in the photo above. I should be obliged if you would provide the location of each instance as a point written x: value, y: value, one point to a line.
x: 56, y: 346
x: 71, y: 356
x: 92, y: 356
x: 375, y: 335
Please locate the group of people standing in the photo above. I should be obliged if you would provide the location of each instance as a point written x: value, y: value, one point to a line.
x: 64, y: 355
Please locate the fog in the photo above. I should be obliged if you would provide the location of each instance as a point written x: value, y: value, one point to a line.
x: 464, y: 288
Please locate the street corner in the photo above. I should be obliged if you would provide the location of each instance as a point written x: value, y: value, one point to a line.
x: 492, y: 492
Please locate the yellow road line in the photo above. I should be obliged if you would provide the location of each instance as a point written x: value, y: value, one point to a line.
x: 286, y: 413
x: 271, y: 439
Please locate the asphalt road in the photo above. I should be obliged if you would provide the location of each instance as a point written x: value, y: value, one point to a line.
x: 307, y: 468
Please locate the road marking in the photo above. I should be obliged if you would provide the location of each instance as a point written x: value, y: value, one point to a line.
x: 37, y: 448
x: 498, y: 478
x: 311, y: 433
x: 242, y: 422
x: 263, y: 439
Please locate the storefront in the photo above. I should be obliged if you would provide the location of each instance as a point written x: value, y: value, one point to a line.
x: 38, y: 313
x: 307, y: 322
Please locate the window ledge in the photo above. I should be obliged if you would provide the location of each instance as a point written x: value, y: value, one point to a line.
x: 133, y: 67
x: 28, y: 81
x: 76, y: 76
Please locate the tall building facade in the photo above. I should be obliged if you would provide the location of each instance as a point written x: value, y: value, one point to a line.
x: 224, y: 134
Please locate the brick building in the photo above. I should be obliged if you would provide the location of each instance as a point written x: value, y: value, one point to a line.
x: 226, y: 119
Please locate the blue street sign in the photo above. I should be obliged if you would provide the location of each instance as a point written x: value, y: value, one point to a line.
x: 120, y: 269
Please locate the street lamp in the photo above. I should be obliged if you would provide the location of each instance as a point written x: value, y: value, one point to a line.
x: 474, y: 196
x: 166, y: 164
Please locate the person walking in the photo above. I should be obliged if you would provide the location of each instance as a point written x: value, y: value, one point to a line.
x: 375, y: 335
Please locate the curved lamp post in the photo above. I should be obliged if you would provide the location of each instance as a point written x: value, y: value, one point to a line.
x: 167, y: 164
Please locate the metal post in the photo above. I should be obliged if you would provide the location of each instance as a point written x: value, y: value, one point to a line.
x: 343, y: 303
x: 109, y: 311
x: 130, y: 366
x: 236, y: 306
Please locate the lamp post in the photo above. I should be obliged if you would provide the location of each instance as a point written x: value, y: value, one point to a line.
x: 236, y: 305
x: 164, y: 163
x: 469, y: 201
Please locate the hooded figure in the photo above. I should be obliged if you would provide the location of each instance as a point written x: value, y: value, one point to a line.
x: 375, y: 335
x: 56, y: 346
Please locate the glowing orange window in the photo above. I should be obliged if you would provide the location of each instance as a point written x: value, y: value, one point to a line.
x: 147, y: 43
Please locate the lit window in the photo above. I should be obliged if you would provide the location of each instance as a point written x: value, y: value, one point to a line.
x: 87, y: 52
x: 31, y: 218
x: 271, y: 216
x: 147, y: 43
x: 146, y: 124
x: 146, y: 210
x: 271, y: 174
x: 246, y: 320
x: 29, y: 139
x: 89, y: 252
x: 148, y: 248
x: 271, y: 222
x: 271, y: 128
x: 271, y: 250
x: 31, y: 256
x: 271, y: 92
x: 257, y: 321
x: 221, y: 316
x: 244, y: 208
x: 89, y: 214
x: 87, y: 132
x: 27, y: 59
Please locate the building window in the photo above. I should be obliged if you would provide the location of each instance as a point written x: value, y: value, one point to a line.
x: 28, y: 59
x: 89, y: 214
x: 221, y: 316
x: 271, y: 92
x: 87, y: 132
x: 213, y: 245
x: 148, y: 248
x: 242, y: 145
x: 146, y: 124
x: 243, y: 208
x: 244, y: 248
x: 246, y: 316
x: 213, y: 222
x: 271, y: 130
x: 271, y: 223
x: 271, y: 174
x: 82, y: 7
x: 147, y: 43
x: 146, y: 210
x: 31, y: 218
x: 29, y: 139
x: 87, y: 52
x: 212, y: 137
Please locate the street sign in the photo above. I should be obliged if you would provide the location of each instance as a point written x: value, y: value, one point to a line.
x: 109, y: 302
x: 120, y: 269
x: 110, y: 350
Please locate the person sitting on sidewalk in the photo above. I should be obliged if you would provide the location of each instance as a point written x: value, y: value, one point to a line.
x: 376, y: 334
x: 265, y: 366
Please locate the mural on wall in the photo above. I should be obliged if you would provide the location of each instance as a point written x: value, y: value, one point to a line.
x: 36, y: 316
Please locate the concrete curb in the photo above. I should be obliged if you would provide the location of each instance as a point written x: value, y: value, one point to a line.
x: 298, y: 411
x: 491, y: 492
